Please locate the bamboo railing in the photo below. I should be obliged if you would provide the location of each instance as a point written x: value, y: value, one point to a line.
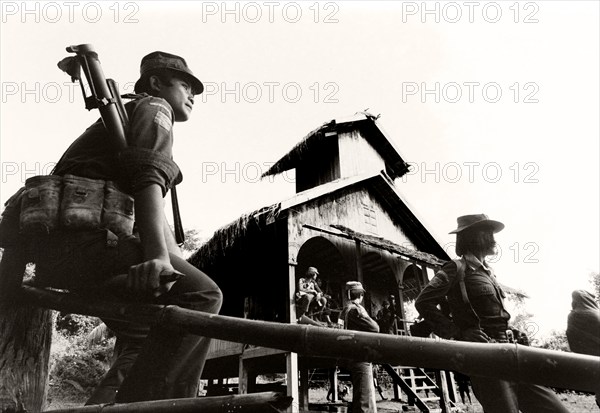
x: 244, y: 403
x: 504, y: 361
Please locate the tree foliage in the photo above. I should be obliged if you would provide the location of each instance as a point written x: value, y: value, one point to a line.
x: 556, y: 340
x: 595, y: 282
x: 192, y: 242
x: 521, y: 319
x: 76, y: 363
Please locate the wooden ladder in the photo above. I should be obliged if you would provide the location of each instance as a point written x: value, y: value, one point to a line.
x: 417, y: 385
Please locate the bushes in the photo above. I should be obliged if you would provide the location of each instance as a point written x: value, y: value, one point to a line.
x: 77, y: 363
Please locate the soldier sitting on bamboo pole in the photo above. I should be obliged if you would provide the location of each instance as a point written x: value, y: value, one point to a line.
x: 309, y: 293
x: 80, y: 225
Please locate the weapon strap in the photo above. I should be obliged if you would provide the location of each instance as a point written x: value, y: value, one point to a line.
x: 179, y: 233
x: 460, y: 276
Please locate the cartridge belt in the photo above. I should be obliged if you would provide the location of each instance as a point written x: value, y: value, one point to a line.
x: 50, y: 203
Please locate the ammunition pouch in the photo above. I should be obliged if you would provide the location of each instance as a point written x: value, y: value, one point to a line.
x: 49, y: 203
x: 41, y: 204
x: 81, y: 205
x: 10, y: 235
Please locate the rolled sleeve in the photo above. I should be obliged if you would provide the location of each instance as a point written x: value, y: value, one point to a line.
x: 145, y: 167
x: 148, y: 158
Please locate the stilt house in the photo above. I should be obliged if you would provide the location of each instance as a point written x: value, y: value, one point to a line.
x: 347, y: 219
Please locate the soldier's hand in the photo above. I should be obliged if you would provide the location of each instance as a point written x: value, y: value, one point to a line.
x: 475, y: 335
x: 145, y: 277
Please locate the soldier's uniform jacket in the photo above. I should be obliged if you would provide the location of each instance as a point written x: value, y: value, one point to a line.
x: 356, y: 318
x: 484, y: 309
x: 148, y: 158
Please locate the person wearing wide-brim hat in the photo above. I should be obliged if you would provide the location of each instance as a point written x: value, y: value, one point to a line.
x: 477, y: 222
x: 469, y: 288
x: 355, y: 317
x: 143, y: 267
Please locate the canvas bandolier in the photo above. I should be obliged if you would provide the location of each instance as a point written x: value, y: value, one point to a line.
x: 48, y: 203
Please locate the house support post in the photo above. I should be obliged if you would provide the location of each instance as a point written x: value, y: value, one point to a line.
x: 303, y: 387
x: 440, y: 378
x: 291, y: 361
x: 244, y: 376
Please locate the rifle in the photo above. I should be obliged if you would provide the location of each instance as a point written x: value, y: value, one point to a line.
x: 103, y: 93
x: 104, y: 96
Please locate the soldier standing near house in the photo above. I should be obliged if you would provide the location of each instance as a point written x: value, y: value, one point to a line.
x: 476, y: 302
x: 85, y: 254
x: 385, y: 318
x: 355, y: 317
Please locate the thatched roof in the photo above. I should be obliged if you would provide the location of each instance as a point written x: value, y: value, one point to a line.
x: 363, y: 121
x: 245, y: 226
x: 382, y: 243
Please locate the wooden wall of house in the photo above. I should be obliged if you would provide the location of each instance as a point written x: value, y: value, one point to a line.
x: 358, y: 210
x: 357, y: 156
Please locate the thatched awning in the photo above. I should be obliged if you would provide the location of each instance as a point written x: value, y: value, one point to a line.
x: 382, y: 243
x: 363, y: 121
x: 225, y: 237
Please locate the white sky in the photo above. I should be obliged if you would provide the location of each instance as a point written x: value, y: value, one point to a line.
x: 527, y: 157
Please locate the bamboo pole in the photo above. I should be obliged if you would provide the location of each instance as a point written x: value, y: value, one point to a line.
x: 504, y: 361
x: 246, y: 403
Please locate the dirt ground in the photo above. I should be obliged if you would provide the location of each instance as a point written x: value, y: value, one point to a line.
x: 576, y: 403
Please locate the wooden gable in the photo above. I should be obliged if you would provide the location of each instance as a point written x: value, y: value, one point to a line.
x: 341, y: 149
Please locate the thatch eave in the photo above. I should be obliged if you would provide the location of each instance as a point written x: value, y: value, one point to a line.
x: 295, y: 155
x: 226, y: 237
x: 329, y: 130
x: 382, y: 243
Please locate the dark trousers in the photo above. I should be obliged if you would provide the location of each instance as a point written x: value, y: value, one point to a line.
x: 152, y: 362
x: 303, y: 304
x: 363, y: 391
x: 501, y: 396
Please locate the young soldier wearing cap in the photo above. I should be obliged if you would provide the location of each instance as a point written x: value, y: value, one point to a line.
x: 482, y: 318
x: 355, y: 317
x: 160, y: 362
x: 309, y: 290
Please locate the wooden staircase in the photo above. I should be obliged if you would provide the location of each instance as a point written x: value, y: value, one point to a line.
x: 421, y: 390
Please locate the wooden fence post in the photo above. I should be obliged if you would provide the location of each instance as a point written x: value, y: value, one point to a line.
x: 25, y: 338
